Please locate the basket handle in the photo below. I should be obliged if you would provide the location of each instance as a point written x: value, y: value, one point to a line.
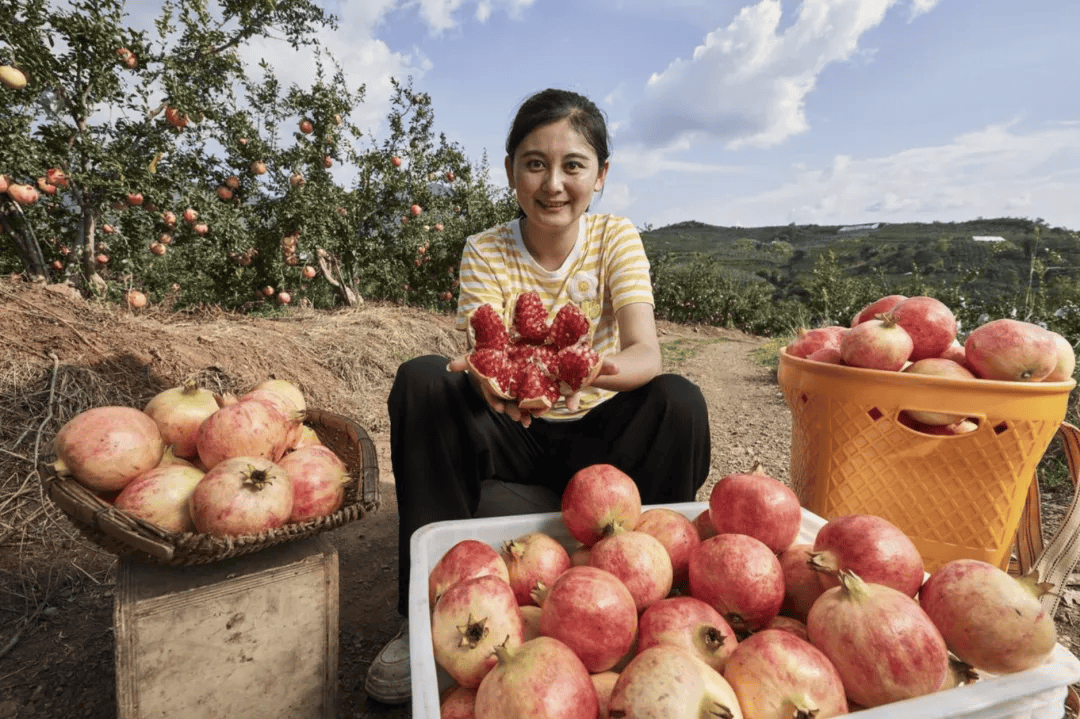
x: 1061, y: 554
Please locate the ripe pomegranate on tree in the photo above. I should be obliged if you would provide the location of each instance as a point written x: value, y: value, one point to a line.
x: 989, y: 619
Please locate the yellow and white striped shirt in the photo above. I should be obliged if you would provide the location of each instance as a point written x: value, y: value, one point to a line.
x: 606, y: 270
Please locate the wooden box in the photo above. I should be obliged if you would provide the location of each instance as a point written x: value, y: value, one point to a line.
x: 254, y: 636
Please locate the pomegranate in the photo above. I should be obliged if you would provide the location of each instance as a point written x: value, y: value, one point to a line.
x: 307, y: 437
x: 881, y: 642
x: 603, y: 683
x: 22, y: 194
x: 286, y: 389
x: 879, y: 306
x: 704, y: 525
x: 537, y: 679
x: 253, y: 429
x: 955, y: 352
x: 828, y: 355
x: 136, y: 300
x: 929, y: 322
x: 580, y: 556
x: 740, y: 577
x: 596, y: 499
x: 807, y: 342
x: 318, y: 478
x: 789, y: 624
x: 179, y: 412
x: 530, y: 616
x: 876, y: 344
x: 472, y: 618
x: 1011, y: 350
x: 667, y: 682
x: 466, y: 559
x: 639, y: 560
x: 870, y: 546
x: 1066, y: 360
x: 592, y: 612
x: 756, y: 505
x: 989, y: 619
x: 161, y: 495
x: 457, y: 702
x: 532, y: 558
x: 241, y: 495
x: 937, y: 367
x: 777, y: 675
x: 678, y: 535
x: 801, y: 583
x: 104, y: 448
x: 689, y: 623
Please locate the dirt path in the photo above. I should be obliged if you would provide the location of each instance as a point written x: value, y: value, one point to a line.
x: 56, y: 590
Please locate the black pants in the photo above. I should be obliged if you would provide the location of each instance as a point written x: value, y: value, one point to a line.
x: 445, y: 440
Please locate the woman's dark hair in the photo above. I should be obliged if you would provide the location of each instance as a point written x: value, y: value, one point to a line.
x: 549, y: 106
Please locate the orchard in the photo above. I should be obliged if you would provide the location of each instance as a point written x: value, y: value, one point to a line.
x: 112, y: 134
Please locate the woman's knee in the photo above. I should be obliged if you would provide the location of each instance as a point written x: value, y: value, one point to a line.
x: 680, y: 396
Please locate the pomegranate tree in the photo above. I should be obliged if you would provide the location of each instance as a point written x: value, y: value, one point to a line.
x: 539, y: 678
x: 990, y: 620
x: 777, y: 675
x: 472, y: 618
x: 883, y: 645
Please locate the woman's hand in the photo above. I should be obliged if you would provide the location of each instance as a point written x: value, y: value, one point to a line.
x: 607, y: 367
x: 497, y: 403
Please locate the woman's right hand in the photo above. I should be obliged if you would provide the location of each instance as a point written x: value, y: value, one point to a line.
x: 497, y: 403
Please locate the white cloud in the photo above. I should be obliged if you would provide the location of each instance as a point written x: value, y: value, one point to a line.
x: 439, y: 14
x: 920, y: 7
x: 992, y: 172
x: 747, y: 83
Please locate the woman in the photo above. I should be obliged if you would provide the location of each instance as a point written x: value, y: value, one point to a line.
x: 450, y: 432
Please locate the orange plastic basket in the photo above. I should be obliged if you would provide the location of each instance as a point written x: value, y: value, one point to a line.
x: 955, y: 496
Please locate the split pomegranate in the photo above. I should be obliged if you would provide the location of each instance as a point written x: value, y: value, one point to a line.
x: 596, y: 500
x: 251, y: 429
x: 870, y: 546
x: 241, y: 495
x: 689, y: 623
x: 532, y: 558
x: 467, y: 559
x: 881, y: 642
x: 162, y: 496
x: 104, y: 448
x: 639, y: 560
x: 539, y: 679
x: 990, y: 620
x: 740, y: 577
x: 777, y: 675
x: 592, y: 612
x: 179, y: 412
x: 534, y: 362
x: 318, y: 478
x: 668, y: 681
x: 472, y: 618
x: 756, y: 505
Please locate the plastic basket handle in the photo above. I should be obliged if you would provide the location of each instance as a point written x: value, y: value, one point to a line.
x: 1061, y: 554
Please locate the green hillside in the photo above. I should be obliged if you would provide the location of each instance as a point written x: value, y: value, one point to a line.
x: 943, y: 253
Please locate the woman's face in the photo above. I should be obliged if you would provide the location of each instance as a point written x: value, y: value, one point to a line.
x: 555, y: 172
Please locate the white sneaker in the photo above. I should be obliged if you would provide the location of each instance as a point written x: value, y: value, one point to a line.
x: 389, y: 677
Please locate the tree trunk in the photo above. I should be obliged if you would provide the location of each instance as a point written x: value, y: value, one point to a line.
x: 26, y: 245
x: 94, y: 284
x: 331, y: 269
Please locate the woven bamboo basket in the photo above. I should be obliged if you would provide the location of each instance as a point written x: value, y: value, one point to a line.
x: 120, y: 533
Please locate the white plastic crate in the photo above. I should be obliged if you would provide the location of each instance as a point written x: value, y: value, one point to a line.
x: 1035, y: 694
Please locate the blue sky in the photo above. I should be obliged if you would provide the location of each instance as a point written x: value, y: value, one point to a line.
x: 755, y: 113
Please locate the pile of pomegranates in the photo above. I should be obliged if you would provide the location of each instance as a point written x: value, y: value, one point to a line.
x: 641, y: 614
x: 918, y: 335
x: 194, y: 461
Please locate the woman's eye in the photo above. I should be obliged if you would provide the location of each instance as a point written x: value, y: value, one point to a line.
x: 534, y: 164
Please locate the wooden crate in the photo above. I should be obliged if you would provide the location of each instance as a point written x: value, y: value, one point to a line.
x: 254, y: 636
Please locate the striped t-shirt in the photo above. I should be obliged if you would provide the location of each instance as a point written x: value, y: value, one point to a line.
x: 606, y: 270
